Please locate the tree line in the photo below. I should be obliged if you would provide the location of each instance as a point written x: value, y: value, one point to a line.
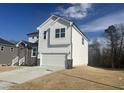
x: 112, y: 54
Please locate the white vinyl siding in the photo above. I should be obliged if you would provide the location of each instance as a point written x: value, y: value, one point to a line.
x: 80, y: 48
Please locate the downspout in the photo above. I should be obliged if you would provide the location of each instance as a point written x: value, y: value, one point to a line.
x: 18, y: 54
x: 25, y: 57
x: 71, y: 39
x: 71, y: 24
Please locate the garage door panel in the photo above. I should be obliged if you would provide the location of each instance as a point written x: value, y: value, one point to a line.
x: 54, y: 60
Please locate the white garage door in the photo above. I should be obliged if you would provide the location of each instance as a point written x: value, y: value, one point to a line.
x: 54, y: 60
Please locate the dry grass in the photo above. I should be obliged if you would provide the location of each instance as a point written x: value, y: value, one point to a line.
x: 6, y: 68
x: 78, y: 78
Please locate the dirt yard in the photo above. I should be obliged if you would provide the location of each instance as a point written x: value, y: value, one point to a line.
x: 77, y: 78
x: 6, y: 68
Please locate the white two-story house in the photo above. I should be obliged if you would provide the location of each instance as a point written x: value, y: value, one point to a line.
x: 61, y: 43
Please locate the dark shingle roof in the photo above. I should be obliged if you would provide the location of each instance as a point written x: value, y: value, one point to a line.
x: 30, y: 44
x: 26, y: 42
x: 2, y: 41
x: 33, y: 33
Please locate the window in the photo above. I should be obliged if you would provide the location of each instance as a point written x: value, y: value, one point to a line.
x: 34, y: 52
x: 32, y: 37
x: 82, y: 41
x: 2, y: 48
x: 60, y: 33
x: 37, y: 37
x: 44, y: 35
x: 57, y: 33
x: 11, y: 49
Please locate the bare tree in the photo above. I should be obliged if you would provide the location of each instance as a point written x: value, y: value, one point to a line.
x: 115, y: 35
x: 120, y: 29
x: 109, y: 34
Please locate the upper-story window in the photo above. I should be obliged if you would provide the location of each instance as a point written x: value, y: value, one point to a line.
x: 2, y: 48
x: 60, y: 33
x: 44, y: 35
x: 57, y: 33
x: 11, y: 49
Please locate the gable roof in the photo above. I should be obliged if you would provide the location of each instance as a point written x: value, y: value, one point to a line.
x: 2, y: 41
x: 27, y: 44
x: 52, y: 16
x: 67, y: 20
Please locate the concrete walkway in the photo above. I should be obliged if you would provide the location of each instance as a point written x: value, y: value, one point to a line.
x: 24, y: 74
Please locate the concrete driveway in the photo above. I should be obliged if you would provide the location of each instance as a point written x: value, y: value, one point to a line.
x: 24, y: 74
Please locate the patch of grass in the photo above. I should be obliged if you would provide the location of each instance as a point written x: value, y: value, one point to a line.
x: 6, y: 68
x: 82, y: 77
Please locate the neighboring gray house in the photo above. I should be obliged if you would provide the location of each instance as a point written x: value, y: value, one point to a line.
x: 8, y: 51
x: 27, y: 51
x: 61, y: 43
